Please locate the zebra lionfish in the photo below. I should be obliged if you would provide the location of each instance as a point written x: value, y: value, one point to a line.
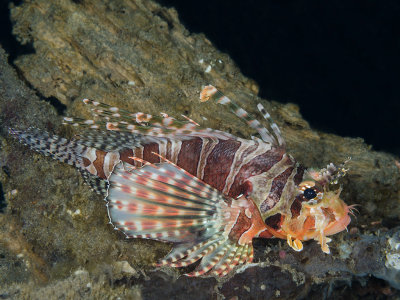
x: 207, y: 191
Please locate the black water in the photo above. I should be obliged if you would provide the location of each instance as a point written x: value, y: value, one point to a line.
x: 338, y: 60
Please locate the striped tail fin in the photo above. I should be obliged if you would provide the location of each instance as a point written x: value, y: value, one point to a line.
x: 164, y: 202
x: 54, y: 146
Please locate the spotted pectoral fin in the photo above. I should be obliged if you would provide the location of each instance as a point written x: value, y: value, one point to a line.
x: 164, y: 202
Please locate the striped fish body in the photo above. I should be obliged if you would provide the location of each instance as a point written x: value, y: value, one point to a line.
x: 233, y: 167
x: 207, y: 190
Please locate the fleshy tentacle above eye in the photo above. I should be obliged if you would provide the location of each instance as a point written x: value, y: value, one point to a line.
x: 163, y: 202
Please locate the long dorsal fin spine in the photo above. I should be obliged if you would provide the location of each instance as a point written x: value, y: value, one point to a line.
x: 210, y: 92
x: 273, y: 125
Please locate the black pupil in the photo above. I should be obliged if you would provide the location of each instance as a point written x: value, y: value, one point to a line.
x: 309, y: 193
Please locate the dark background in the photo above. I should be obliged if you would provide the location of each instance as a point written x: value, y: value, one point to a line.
x: 338, y: 60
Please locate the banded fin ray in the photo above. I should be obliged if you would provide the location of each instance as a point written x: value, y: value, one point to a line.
x: 164, y: 202
x: 116, y: 119
x: 116, y: 114
x: 273, y: 137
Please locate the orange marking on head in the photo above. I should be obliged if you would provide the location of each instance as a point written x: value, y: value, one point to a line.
x: 338, y: 225
x: 309, y: 223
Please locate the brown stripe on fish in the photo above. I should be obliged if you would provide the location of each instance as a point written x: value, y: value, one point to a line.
x: 259, y: 185
x: 88, y: 158
x: 257, y: 165
x: 126, y: 156
x: 189, y: 155
x: 246, y: 152
x: 286, y: 200
x: 298, y: 178
x: 275, y: 221
x: 148, y: 155
x: 242, y: 224
x: 162, y: 146
x: 295, y: 208
x: 276, y: 190
x: 99, y: 162
x: 219, y: 162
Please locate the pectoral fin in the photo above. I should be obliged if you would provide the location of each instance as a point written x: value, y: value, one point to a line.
x: 164, y: 202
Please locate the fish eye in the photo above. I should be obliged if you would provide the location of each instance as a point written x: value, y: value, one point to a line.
x: 310, y: 193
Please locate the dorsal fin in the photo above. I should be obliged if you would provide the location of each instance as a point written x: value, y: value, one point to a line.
x: 274, y: 136
x: 115, y: 119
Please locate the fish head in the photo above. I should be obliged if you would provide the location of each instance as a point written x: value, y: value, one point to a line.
x: 314, y: 211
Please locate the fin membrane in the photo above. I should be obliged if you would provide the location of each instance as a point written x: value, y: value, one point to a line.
x: 97, y: 184
x: 54, y: 146
x: 116, y: 119
x: 110, y: 140
x: 164, y: 202
x: 273, y: 137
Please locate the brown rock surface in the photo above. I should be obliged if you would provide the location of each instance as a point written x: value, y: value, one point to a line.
x: 136, y: 55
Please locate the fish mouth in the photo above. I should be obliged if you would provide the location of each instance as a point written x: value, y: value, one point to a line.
x: 316, y: 220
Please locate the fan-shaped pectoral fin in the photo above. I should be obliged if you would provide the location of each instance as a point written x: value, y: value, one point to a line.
x: 230, y: 245
x: 166, y: 203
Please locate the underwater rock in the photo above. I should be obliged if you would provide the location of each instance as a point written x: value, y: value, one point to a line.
x: 392, y: 262
x: 137, y: 55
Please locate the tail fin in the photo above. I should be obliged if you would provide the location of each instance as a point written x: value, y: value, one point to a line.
x: 57, y: 147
